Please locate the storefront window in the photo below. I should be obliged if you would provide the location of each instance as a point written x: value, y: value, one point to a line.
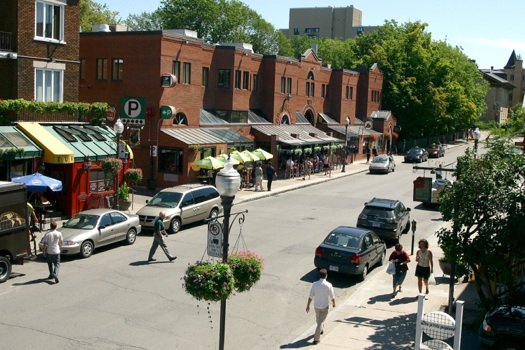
x: 170, y: 160
x: 97, y: 182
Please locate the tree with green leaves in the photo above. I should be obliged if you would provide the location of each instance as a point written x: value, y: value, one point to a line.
x: 221, y: 21
x: 144, y: 21
x: 93, y: 13
x: 485, y: 211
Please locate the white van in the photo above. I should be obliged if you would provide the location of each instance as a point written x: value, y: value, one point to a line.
x: 183, y: 205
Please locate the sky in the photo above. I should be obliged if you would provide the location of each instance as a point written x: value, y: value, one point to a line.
x: 487, y: 31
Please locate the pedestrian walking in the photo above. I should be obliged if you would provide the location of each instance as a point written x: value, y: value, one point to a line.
x: 289, y: 168
x: 425, y: 265
x: 53, y: 241
x: 367, y: 154
x: 32, y: 221
x: 270, y: 173
x: 401, y: 259
x: 374, y: 151
x: 159, y: 234
x: 308, y: 168
x: 258, y: 178
x: 322, y: 292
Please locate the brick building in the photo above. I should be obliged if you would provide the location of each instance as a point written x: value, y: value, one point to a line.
x: 226, y: 97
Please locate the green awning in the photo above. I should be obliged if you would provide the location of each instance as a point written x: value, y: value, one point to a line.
x: 87, y: 143
x: 15, y: 145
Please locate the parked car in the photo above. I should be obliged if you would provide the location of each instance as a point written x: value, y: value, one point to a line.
x: 382, y: 164
x: 416, y: 155
x: 350, y: 251
x: 503, y: 328
x: 388, y: 218
x: 183, y: 205
x: 436, y: 150
x: 95, y: 228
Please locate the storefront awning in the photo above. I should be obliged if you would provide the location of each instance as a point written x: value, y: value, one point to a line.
x: 55, y: 152
x: 354, y: 130
x: 327, y: 120
x: 296, y: 135
x: 206, y: 136
x: 15, y: 145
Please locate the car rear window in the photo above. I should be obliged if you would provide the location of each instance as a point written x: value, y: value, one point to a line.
x: 379, y: 212
x: 344, y: 240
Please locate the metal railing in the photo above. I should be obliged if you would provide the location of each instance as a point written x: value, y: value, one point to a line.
x: 7, y: 42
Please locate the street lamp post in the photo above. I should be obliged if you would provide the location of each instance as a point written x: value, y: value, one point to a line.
x: 347, y: 122
x: 119, y: 129
x: 228, y: 182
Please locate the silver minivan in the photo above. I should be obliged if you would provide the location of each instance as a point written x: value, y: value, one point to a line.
x: 183, y: 205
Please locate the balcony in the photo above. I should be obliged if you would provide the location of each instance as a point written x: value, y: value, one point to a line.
x: 7, y: 42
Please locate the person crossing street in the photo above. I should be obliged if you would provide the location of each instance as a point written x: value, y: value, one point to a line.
x: 159, y: 235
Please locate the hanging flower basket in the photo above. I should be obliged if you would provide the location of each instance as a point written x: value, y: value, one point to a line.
x: 317, y: 148
x: 111, y: 166
x: 326, y: 147
x: 209, y: 281
x: 307, y: 151
x: 247, y: 269
x: 297, y: 151
x: 133, y: 176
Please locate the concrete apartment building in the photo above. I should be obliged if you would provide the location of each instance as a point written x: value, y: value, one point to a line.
x: 326, y: 22
x: 506, y: 88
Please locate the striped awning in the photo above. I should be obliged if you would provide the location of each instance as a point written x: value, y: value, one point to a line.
x: 296, y: 135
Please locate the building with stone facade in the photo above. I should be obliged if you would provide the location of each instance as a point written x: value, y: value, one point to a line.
x: 326, y: 22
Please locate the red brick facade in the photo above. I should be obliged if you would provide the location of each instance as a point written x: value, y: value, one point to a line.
x: 18, y: 20
x: 278, y: 87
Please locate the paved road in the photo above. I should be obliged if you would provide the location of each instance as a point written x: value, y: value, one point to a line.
x: 115, y: 300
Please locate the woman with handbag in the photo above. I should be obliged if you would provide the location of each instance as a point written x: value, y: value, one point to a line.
x: 401, y: 259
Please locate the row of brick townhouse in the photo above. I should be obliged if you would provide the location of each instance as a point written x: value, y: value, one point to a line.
x: 226, y: 97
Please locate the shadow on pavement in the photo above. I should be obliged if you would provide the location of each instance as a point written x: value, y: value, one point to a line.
x: 392, y: 333
x: 298, y: 344
x: 383, y: 298
x: 37, y: 281
x: 145, y: 262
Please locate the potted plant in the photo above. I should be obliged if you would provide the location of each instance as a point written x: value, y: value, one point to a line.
x: 123, y: 197
x: 211, y: 281
x: 111, y: 166
x: 247, y: 269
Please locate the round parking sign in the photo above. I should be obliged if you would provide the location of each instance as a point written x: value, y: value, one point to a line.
x: 132, y: 108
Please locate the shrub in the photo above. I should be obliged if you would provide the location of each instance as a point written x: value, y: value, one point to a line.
x: 123, y: 192
x: 111, y: 166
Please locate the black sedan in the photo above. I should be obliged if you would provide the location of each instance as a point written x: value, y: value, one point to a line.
x: 351, y: 251
x: 416, y: 155
x: 503, y: 328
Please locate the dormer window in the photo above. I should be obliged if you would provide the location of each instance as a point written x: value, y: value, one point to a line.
x: 49, y: 20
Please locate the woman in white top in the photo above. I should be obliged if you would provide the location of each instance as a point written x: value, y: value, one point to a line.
x: 425, y: 264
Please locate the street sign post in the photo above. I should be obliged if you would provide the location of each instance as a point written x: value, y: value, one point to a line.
x: 133, y: 110
x: 214, y: 239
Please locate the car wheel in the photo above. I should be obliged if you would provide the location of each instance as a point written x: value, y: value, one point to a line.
x: 363, y: 274
x: 86, y: 249
x: 175, y: 225
x: 5, y: 268
x: 214, y: 214
x: 131, y: 236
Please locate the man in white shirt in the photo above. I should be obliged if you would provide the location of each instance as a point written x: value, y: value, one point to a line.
x: 321, y: 293
x: 53, y: 241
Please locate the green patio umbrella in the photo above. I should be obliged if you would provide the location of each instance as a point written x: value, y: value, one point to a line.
x: 253, y: 157
x: 223, y: 157
x: 239, y: 156
x: 209, y: 163
x: 262, y: 154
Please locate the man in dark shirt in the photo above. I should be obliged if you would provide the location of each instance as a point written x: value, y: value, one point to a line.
x: 158, y: 238
x: 270, y: 173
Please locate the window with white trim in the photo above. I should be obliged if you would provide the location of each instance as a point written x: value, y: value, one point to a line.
x: 49, y: 20
x: 49, y: 85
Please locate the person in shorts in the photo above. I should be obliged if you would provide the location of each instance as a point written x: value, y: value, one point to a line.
x: 425, y: 265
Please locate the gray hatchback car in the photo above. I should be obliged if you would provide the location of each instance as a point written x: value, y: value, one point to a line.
x: 387, y: 217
